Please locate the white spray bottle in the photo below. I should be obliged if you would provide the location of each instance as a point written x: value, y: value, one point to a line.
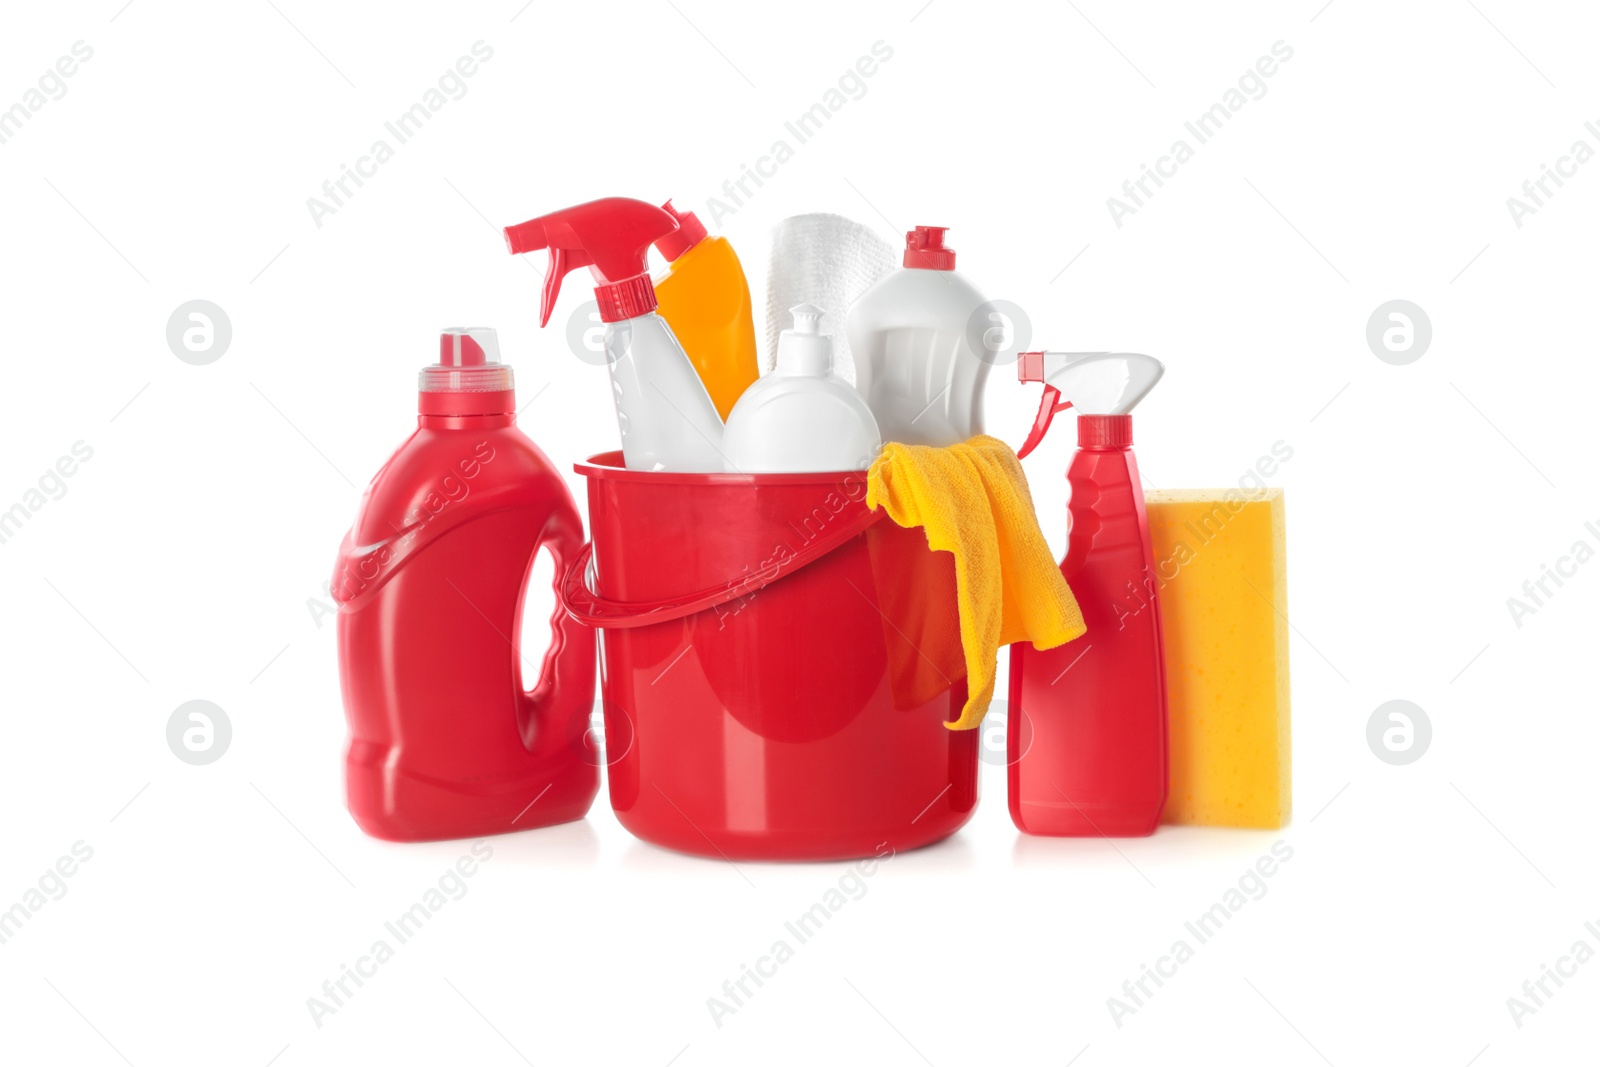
x: 664, y: 413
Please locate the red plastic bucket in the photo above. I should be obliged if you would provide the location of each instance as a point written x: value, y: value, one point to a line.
x: 777, y: 665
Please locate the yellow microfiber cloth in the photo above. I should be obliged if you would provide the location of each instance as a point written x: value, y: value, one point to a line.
x: 973, y: 502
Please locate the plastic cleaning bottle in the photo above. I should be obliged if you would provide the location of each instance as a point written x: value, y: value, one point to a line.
x: 445, y: 741
x: 915, y: 366
x: 665, y: 415
x: 1086, y: 737
x: 801, y: 416
x: 705, y: 299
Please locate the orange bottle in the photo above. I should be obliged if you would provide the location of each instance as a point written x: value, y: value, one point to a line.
x: 705, y: 299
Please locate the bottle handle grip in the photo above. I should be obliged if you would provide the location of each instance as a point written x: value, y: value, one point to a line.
x: 556, y: 710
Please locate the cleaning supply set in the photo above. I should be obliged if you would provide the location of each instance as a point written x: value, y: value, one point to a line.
x: 801, y: 578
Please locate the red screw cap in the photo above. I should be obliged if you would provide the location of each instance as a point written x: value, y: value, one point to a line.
x: 469, y: 378
x: 627, y: 299
x: 690, y: 232
x: 1105, y: 431
x: 925, y: 249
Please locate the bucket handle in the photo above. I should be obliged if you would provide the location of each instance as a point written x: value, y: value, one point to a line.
x: 591, y: 609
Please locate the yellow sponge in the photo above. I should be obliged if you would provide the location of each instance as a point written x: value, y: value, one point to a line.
x: 1220, y: 565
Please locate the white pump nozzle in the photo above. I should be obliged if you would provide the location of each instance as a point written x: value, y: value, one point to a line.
x: 804, y: 349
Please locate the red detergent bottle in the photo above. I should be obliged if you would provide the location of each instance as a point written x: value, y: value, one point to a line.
x: 1086, y: 737
x: 445, y: 741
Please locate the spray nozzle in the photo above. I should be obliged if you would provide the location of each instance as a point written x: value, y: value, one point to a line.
x: 1096, y: 383
x: 612, y: 237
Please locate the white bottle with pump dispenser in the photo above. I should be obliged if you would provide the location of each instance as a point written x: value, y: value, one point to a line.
x: 915, y: 365
x: 801, y: 417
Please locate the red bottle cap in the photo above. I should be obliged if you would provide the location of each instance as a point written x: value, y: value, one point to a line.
x: 626, y: 299
x: 690, y: 232
x: 469, y: 378
x: 925, y: 249
x: 1105, y: 431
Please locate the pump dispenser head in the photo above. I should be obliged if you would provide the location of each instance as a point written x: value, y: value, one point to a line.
x: 612, y: 237
x: 925, y: 249
x: 1096, y: 383
x: 804, y: 349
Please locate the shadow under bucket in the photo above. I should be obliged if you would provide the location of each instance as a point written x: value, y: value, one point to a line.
x: 777, y: 665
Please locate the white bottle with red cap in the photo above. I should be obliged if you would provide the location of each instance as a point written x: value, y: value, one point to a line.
x: 915, y: 363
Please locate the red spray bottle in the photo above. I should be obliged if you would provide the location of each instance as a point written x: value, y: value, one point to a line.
x: 444, y: 740
x: 1086, y: 737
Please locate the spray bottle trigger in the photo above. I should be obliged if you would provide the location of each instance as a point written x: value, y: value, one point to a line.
x: 562, y: 260
x: 1050, y: 405
x: 611, y: 236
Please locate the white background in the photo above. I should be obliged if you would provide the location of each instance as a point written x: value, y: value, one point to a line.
x: 187, y: 556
